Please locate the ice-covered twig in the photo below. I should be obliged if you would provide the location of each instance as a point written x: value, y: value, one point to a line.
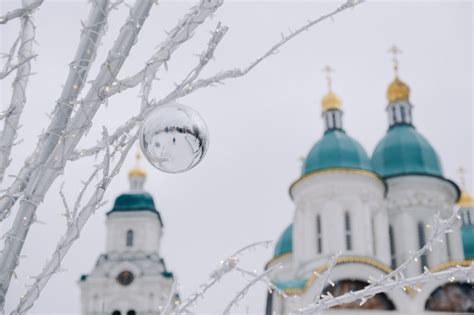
x: 330, y: 265
x: 21, y: 12
x: 191, y: 85
x: 204, y: 58
x: 18, y: 97
x: 75, y: 226
x: 270, y: 285
x: 91, y: 34
x: 177, y: 36
x: 439, y: 231
x: 464, y: 273
x: 42, y: 177
x: 240, y: 295
x: 227, y: 265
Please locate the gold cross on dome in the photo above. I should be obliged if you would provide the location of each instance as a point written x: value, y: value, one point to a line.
x: 328, y: 70
x: 462, y: 178
x: 395, y: 51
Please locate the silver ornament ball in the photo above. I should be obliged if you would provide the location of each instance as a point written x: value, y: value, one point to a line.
x: 174, y: 138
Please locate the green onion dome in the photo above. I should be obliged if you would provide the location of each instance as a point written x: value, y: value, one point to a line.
x: 336, y: 150
x: 404, y: 151
x: 140, y: 201
x: 134, y: 201
x: 285, y: 242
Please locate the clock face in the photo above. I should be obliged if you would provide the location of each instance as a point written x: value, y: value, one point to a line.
x: 125, y: 277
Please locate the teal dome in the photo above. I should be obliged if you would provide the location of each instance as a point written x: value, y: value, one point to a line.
x: 404, y: 151
x: 336, y: 150
x: 142, y: 201
x: 285, y: 242
x: 467, y: 233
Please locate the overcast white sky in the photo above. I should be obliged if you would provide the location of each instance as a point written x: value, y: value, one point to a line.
x: 260, y: 125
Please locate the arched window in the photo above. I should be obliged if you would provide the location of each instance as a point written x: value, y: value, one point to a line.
x: 116, y: 313
x: 347, y: 221
x: 129, y: 240
x: 422, y: 242
x: 131, y: 312
x: 393, y: 256
x: 319, y: 235
x: 448, y: 247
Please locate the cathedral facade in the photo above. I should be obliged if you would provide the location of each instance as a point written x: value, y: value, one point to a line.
x: 375, y: 212
x: 131, y: 277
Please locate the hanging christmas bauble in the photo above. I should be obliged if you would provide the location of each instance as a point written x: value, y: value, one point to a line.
x: 174, y: 138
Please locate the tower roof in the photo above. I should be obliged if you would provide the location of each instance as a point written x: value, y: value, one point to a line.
x: 404, y: 151
x: 285, y: 242
x: 336, y: 150
x: 398, y: 91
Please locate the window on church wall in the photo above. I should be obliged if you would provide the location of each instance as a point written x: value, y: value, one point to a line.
x: 129, y: 239
x: 131, y: 312
x: 319, y: 236
x: 347, y: 223
x: 392, y: 247
x: 448, y: 247
x: 116, y: 313
x: 422, y: 242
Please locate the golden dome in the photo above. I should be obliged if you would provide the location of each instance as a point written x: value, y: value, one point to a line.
x: 137, y: 171
x: 466, y: 200
x: 398, y: 91
x: 331, y: 101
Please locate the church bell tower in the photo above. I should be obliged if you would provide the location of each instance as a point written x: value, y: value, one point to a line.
x: 130, y: 278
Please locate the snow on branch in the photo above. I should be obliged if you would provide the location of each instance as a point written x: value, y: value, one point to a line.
x: 91, y: 34
x: 227, y: 265
x: 190, y: 84
x: 177, y: 36
x: 465, y: 273
x: 42, y: 177
x: 76, y: 223
x: 18, y: 98
x: 204, y: 58
x: 21, y: 12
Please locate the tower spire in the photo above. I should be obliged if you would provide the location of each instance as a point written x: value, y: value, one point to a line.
x: 137, y: 175
x: 395, y: 51
x: 331, y: 104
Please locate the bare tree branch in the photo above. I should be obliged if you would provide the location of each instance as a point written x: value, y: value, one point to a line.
x: 21, y: 12
x: 189, y: 85
x: 177, y: 36
x: 42, y: 177
x: 363, y: 295
x: 91, y: 34
x: 75, y: 226
x: 18, y: 98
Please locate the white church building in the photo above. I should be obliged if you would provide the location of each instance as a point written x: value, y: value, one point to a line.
x: 375, y: 211
x: 131, y: 277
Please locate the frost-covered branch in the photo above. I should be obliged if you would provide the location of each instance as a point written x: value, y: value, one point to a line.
x: 42, y: 177
x: 328, y: 301
x: 21, y: 12
x: 240, y: 295
x: 18, y: 98
x: 75, y: 226
x: 440, y: 229
x: 176, y: 37
x: 239, y: 72
x: 227, y: 265
x: 92, y: 31
x: 189, y: 86
x: 204, y: 59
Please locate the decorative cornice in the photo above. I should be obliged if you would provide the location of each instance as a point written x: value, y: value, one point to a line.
x: 453, y: 263
x: 340, y: 261
x: 336, y: 171
x: 417, y: 198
